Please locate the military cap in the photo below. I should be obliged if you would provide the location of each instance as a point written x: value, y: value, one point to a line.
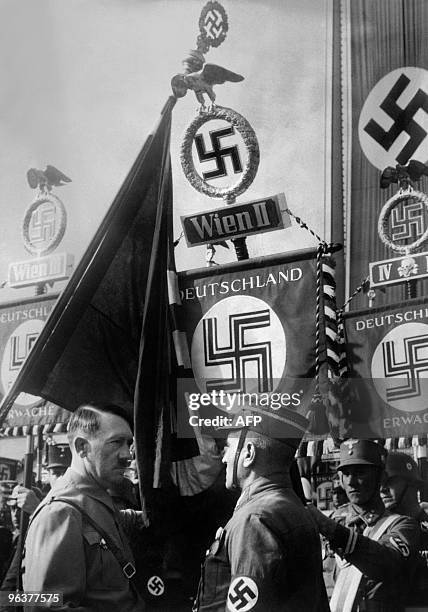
x: 283, y: 424
x: 400, y: 464
x: 361, y: 452
x: 59, y: 455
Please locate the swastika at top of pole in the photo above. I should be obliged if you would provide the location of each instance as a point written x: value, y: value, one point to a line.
x: 233, y: 142
x: 213, y: 26
x: 230, y: 149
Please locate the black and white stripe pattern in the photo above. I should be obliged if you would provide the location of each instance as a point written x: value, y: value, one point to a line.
x: 25, y: 430
x: 330, y: 315
x: 176, y: 309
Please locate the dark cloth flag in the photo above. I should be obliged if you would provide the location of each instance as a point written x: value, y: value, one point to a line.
x: 107, y: 337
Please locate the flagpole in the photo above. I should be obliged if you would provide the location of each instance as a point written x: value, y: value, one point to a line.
x: 28, y: 482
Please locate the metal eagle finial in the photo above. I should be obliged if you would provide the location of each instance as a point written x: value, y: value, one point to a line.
x: 46, y: 179
x: 213, y: 27
x: 202, y: 82
x: 403, y: 175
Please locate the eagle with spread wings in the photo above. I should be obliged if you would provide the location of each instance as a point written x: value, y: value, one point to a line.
x: 202, y: 81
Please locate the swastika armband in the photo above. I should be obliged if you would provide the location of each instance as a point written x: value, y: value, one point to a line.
x: 243, y: 594
x: 155, y: 586
x: 399, y: 545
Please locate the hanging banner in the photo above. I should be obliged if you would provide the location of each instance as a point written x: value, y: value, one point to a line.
x: 388, y: 356
x: 20, y: 326
x: 251, y: 334
x: 389, y: 117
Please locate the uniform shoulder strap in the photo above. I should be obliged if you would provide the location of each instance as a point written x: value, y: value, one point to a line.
x: 128, y: 568
x: 377, y: 531
x: 349, y: 578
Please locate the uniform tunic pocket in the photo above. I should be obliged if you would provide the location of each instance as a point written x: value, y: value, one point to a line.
x: 102, y: 568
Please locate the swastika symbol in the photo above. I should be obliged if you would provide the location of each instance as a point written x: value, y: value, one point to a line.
x: 42, y: 225
x: 218, y: 153
x: 4, y: 471
x: 409, y: 222
x: 238, y: 354
x: 213, y: 24
x: 242, y: 594
x: 155, y: 586
x: 415, y: 362
x: 19, y: 349
x: 403, y: 121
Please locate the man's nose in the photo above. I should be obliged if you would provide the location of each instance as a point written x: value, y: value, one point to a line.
x: 125, y: 452
x: 384, y: 487
x: 353, y: 479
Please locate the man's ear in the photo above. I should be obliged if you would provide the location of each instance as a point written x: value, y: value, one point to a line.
x: 249, y: 453
x: 81, y: 446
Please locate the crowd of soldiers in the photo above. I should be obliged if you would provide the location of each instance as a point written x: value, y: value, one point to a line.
x: 84, y: 539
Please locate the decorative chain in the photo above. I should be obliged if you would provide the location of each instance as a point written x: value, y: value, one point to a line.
x: 303, y: 225
x: 175, y: 243
x: 356, y: 292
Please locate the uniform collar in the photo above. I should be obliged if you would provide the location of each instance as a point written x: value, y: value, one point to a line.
x: 369, y: 516
x: 86, y: 485
x: 261, y: 485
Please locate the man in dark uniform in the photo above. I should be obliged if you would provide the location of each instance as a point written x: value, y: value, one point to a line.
x: 399, y: 493
x: 268, y: 556
x: 377, y: 549
x: 59, y: 459
x: 75, y: 543
x: 27, y: 500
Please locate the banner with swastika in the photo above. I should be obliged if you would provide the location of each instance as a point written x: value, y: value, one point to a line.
x: 20, y: 326
x: 389, y: 117
x: 251, y: 331
x: 388, y: 355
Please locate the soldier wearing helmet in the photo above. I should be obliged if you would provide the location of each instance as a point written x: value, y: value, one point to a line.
x: 377, y: 550
x: 268, y: 555
x: 399, y: 492
x: 400, y: 485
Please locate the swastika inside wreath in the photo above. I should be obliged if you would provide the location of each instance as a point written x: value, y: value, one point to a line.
x: 403, y: 221
x: 44, y: 224
x: 213, y: 25
x: 220, y: 153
